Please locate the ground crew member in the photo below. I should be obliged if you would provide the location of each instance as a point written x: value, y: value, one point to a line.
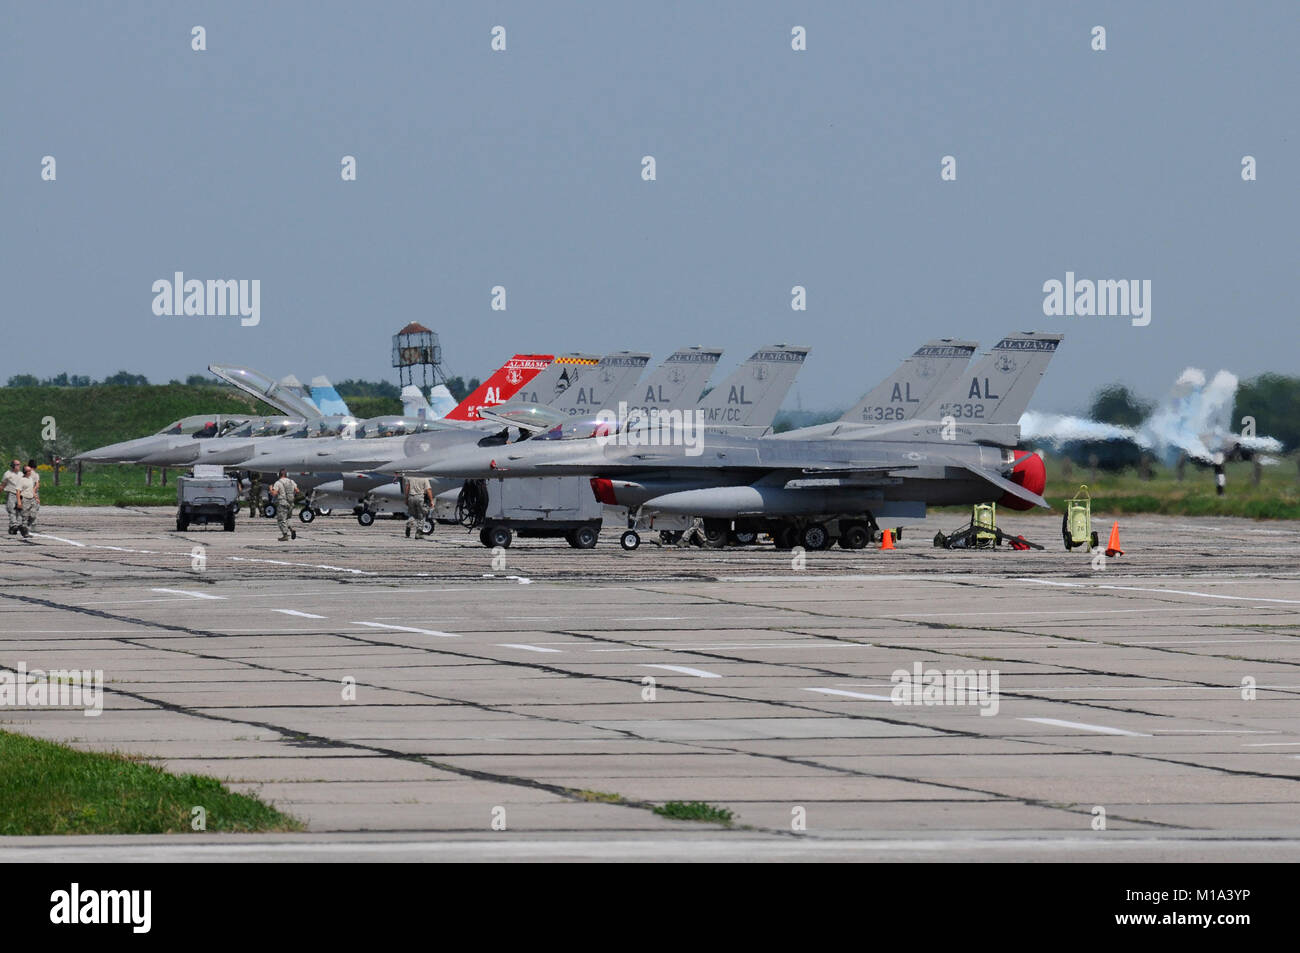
x: 12, y: 484
x: 254, y: 493
x: 31, y: 498
x: 419, y: 503
x: 283, y: 491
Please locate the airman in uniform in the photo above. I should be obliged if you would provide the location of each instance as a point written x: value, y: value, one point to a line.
x: 283, y: 491
x: 31, y: 498
x: 419, y: 503
x: 254, y: 493
x: 12, y: 485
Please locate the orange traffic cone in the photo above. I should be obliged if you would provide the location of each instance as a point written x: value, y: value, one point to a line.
x: 1112, y: 548
x: 887, y: 541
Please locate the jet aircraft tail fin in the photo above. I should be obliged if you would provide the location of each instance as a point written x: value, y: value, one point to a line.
x: 998, y: 387
x: 746, y: 402
x: 501, y: 386
x: 931, y: 370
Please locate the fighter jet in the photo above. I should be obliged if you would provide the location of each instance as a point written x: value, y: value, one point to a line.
x: 795, y: 489
x: 179, y: 437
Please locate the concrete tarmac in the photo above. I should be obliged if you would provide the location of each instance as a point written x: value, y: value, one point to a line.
x: 432, y: 700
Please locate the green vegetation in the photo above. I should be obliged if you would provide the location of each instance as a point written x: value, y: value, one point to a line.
x: 600, y: 797
x: 109, y: 485
x: 695, y: 811
x: 46, y: 788
x: 89, y: 417
x: 1113, y: 494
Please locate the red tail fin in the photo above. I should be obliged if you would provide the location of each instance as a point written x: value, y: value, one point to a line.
x: 502, y: 385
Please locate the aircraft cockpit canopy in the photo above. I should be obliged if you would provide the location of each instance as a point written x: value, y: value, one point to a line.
x: 579, y: 430
x: 396, y: 427
x: 333, y: 426
x: 273, y: 427
x: 202, y: 425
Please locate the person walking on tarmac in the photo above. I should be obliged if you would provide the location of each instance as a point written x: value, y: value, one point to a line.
x: 419, y: 503
x: 254, y: 493
x: 283, y: 491
x: 12, y: 486
x: 31, y: 498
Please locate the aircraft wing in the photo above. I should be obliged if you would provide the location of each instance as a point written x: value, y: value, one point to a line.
x: 1002, y: 483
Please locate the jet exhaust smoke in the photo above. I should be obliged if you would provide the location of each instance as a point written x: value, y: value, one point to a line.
x: 1195, y: 419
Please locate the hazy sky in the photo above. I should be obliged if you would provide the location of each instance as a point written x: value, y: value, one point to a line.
x: 775, y: 168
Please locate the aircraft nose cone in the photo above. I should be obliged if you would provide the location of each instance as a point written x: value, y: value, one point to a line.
x: 1029, y: 472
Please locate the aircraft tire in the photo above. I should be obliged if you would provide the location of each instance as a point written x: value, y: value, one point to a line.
x: 787, y: 537
x: 815, y: 537
x: 629, y: 540
x: 854, y: 536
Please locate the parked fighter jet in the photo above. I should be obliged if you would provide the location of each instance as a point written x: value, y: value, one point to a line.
x: 179, y: 437
x: 811, y: 490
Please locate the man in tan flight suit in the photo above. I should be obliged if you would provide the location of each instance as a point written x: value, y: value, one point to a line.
x: 283, y: 491
x: 419, y: 504
x: 12, y: 485
x: 31, y: 498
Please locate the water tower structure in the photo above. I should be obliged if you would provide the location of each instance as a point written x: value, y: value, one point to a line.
x: 417, y: 355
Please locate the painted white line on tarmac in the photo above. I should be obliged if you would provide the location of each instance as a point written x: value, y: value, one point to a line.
x: 407, y: 628
x: 1209, y: 731
x: 1273, y: 744
x: 281, y: 562
x: 187, y: 592
x: 1171, y: 592
x: 301, y: 615
x: 526, y: 648
x: 684, y: 670
x: 844, y: 694
x: 1100, y: 729
x: 70, y: 542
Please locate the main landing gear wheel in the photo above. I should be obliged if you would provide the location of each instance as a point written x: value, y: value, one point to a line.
x: 629, y: 540
x: 815, y: 537
x: 854, y: 536
x: 366, y: 518
x: 787, y: 537
x: 306, y: 514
